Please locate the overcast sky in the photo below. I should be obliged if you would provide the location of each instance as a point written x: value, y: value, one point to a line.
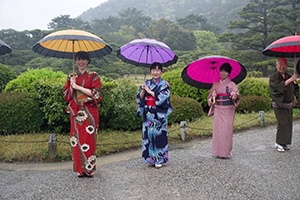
x: 36, y: 14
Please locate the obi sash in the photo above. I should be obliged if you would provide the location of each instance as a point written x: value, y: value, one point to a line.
x: 81, y: 96
x: 284, y: 105
x: 223, y: 100
x: 150, y: 100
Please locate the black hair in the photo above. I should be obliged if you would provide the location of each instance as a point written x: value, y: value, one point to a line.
x: 226, y: 67
x: 153, y: 66
x: 82, y: 55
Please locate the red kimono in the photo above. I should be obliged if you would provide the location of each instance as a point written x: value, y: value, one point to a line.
x: 84, y: 117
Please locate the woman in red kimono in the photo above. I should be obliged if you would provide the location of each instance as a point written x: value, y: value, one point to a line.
x: 226, y: 97
x: 83, y: 92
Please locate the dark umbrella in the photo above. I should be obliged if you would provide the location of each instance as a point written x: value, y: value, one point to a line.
x: 63, y: 44
x: 145, y: 52
x: 288, y: 47
x: 204, y: 72
x: 4, y: 48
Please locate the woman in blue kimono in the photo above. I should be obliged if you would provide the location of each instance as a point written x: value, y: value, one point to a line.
x: 153, y: 100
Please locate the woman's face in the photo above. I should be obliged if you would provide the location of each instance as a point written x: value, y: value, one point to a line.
x: 82, y: 64
x: 224, y: 74
x: 156, y: 73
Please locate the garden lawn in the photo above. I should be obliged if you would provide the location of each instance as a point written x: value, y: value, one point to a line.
x: 34, y: 147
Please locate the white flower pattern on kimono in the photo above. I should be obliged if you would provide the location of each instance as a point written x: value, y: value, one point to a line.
x: 81, y: 116
x: 90, y: 129
x: 92, y: 160
x: 73, y: 141
x: 85, y: 147
x: 89, y: 166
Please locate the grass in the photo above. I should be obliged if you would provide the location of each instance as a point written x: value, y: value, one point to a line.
x: 109, y: 141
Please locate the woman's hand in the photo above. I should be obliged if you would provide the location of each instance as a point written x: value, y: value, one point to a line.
x: 234, y: 97
x: 73, y: 83
x: 146, y: 88
x: 214, y: 94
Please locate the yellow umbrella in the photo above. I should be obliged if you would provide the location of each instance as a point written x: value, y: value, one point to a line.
x: 63, y: 44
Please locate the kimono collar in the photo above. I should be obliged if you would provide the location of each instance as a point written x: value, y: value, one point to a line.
x: 156, y: 82
x: 282, y: 76
x: 224, y: 80
x: 80, y: 74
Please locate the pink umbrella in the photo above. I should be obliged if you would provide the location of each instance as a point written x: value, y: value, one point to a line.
x: 203, y: 72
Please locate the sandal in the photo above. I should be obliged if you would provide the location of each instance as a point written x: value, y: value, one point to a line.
x: 80, y: 174
x: 90, y: 174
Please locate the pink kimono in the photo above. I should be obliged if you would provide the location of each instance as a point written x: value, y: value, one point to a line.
x: 223, y: 111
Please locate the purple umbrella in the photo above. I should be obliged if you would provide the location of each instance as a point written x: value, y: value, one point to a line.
x: 203, y: 72
x: 145, y: 52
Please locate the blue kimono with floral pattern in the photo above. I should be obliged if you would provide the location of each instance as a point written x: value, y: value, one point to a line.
x: 155, y: 121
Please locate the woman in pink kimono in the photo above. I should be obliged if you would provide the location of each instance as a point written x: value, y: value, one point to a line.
x: 222, y: 101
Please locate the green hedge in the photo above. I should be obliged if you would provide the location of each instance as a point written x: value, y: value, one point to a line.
x: 20, y: 113
x: 6, y: 75
x: 52, y: 104
x: 184, y: 109
x: 180, y: 88
x: 254, y: 87
x: 250, y: 104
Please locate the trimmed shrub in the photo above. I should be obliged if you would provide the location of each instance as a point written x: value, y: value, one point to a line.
x: 254, y: 87
x: 20, y: 113
x: 180, y: 88
x: 184, y: 109
x: 255, y: 74
x: 52, y: 104
x: 24, y: 81
x: 124, y: 117
x: 6, y: 75
x: 250, y: 104
x: 122, y: 113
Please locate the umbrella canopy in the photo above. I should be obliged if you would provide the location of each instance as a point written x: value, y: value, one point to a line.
x: 62, y: 44
x: 145, y: 52
x: 4, y: 48
x: 203, y: 72
x: 288, y: 47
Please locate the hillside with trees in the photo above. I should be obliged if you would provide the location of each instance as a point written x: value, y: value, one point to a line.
x: 218, y: 12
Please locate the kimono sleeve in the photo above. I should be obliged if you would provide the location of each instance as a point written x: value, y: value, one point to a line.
x: 234, y: 90
x: 140, y: 102
x: 67, y: 90
x: 162, y: 96
x: 276, y: 87
x: 96, y: 88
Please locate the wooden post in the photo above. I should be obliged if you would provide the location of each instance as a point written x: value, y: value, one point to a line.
x: 183, y: 128
x: 262, y: 118
x: 52, y: 148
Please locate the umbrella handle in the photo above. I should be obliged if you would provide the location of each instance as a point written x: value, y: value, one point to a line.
x: 213, y: 101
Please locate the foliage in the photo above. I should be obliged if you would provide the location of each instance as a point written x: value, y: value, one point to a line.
x: 256, y: 26
x: 50, y: 96
x: 65, y: 22
x: 197, y: 22
x: 124, y: 117
x: 250, y: 104
x: 290, y: 12
x: 20, y: 113
x: 122, y: 114
x: 180, y: 88
x: 6, y: 75
x: 184, y: 109
x: 254, y: 74
x: 25, y: 80
x: 218, y: 12
x: 254, y: 87
x: 206, y: 41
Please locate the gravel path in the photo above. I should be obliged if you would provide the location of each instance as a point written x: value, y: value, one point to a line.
x: 255, y: 171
